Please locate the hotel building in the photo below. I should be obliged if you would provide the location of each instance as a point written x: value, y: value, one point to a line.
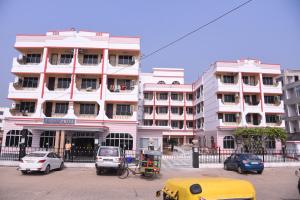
x: 87, y: 88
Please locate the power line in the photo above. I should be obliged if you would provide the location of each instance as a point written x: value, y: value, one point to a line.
x: 197, y: 29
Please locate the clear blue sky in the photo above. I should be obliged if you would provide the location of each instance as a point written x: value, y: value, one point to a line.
x: 268, y: 30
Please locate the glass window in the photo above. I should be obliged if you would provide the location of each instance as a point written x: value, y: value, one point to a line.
x: 271, y: 118
x: 87, y: 109
x: 175, y: 83
x: 27, y: 107
x: 269, y: 99
x: 161, y: 82
x: 13, y: 138
x: 174, y: 124
x: 161, y: 122
x: 297, y: 91
x: 88, y: 83
x: 189, y: 96
x: 33, y: 58
x: 148, y: 95
x: 228, y: 142
x: 270, y: 143
x: 91, y: 59
x: 175, y: 110
x: 189, y: 110
x: 189, y: 124
x: 148, y: 122
x: 123, y: 109
x: 148, y: 109
x: 246, y: 80
x: 267, y: 80
x: 66, y: 58
x: 63, y: 82
x: 47, y: 139
x: 228, y: 79
x: 162, y: 109
x: 230, y: 118
x: 1, y: 112
x: 230, y: 98
x: 124, y: 140
x: 163, y: 96
x: 61, y: 107
x: 30, y: 82
x: 126, y: 60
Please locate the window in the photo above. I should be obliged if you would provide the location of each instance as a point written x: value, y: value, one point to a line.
x: 161, y: 82
x: 296, y: 78
x: 161, y: 122
x: 230, y: 98
x: 27, y: 107
x: 267, y: 80
x: 88, y: 83
x: 125, y: 84
x: 174, y: 110
x: 228, y: 142
x: 189, y: 110
x: 30, y: 82
x: 228, y: 79
x: 123, y: 109
x: 63, y: 82
x: 189, y: 97
x: 126, y: 60
x: 297, y: 89
x: 162, y: 109
x: 148, y: 96
x: 174, y: 124
x: 124, y: 140
x: 230, y: 118
x: 189, y: 124
x: 269, y: 99
x: 13, y: 138
x: 176, y: 96
x: 175, y: 83
x: 212, y: 142
x: 246, y: 80
x: 271, y: 143
x: 198, y: 123
x: 66, y: 58
x: 298, y: 106
x: 61, y: 108
x: 148, y: 122
x: 198, y: 108
x: 87, y: 109
x: 47, y: 139
x: 33, y: 58
x: 148, y: 109
x: 1, y: 112
x: 90, y: 59
x: 271, y: 118
x: 163, y: 96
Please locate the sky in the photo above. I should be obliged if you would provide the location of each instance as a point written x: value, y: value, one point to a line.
x: 267, y: 30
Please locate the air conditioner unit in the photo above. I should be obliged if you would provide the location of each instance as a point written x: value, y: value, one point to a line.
x: 89, y: 89
x: 25, y: 112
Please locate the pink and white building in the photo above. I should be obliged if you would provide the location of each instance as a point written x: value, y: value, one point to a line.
x: 87, y: 88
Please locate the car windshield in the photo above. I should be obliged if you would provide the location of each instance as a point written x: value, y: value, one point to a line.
x: 251, y: 157
x: 36, y: 155
x: 108, y: 152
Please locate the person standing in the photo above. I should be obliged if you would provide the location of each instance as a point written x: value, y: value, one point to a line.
x: 68, y: 147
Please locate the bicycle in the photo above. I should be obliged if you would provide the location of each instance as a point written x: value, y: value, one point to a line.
x: 124, y: 170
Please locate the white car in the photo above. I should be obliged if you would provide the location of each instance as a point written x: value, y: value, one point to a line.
x: 41, y: 161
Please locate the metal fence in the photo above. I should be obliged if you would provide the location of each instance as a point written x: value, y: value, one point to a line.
x: 85, y: 155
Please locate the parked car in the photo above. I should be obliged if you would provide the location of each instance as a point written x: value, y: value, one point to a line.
x: 108, y: 157
x: 41, y: 161
x: 297, y: 173
x: 244, y: 162
x: 207, y: 189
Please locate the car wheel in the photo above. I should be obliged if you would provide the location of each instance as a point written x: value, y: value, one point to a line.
x: 98, y: 171
x: 47, y: 170
x: 61, y: 166
x: 260, y: 172
x: 24, y: 172
x: 240, y: 171
x: 226, y: 167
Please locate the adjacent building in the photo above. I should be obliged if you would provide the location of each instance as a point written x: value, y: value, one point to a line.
x: 87, y: 88
x: 291, y: 92
x: 3, y: 113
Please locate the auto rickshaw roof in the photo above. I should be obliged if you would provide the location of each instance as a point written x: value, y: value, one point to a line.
x: 152, y: 153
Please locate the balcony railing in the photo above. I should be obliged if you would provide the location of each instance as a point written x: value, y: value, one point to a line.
x: 15, y: 91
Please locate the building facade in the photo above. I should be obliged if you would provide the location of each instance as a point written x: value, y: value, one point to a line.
x: 3, y: 113
x: 87, y: 88
x: 291, y: 96
x: 80, y: 87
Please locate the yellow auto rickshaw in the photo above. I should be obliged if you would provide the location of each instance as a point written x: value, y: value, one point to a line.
x: 207, y: 189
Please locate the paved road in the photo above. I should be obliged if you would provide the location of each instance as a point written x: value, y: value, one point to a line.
x: 75, y: 184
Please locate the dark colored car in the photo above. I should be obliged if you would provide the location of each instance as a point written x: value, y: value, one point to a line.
x: 243, y: 162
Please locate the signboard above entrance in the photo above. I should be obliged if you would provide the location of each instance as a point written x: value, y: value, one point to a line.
x: 58, y: 121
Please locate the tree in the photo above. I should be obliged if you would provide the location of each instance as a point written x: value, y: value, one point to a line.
x: 254, y: 139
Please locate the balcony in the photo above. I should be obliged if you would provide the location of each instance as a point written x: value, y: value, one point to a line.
x: 254, y: 107
x: 230, y: 85
x: 251, y: 88
x: 162, y: 116
x: 123, y: 64
x: 149, y: 102
x: 86, y: 110
x: 274, y: 108
x: 22, y: 67
x: 148, y: 116
x: 276, y: 88
x: 120, y: 111
x: 130, y: 117
x: 16, y: 91
x: 24, y: 108
x: 253, y: 119
x: 89, y: 62
x: 229, y: 124
x: 123, y: 94
x: 226, y: 106
x: 57, y: 94
x: 189, y: 116
x: 84, y: 94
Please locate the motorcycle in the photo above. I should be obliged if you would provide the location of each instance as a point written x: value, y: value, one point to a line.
x: 297, y: 173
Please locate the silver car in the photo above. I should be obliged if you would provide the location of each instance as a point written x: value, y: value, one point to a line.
x: 108, y: 157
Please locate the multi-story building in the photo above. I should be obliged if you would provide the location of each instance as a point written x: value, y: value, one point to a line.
x: 3, y: 113
x: 74, y: 86
x: 291, y: 91
x: 87, y: 88
x: 241, y: 93
x: 166, y: 107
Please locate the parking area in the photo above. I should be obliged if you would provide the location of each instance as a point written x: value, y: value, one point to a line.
x: 82, y: 183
